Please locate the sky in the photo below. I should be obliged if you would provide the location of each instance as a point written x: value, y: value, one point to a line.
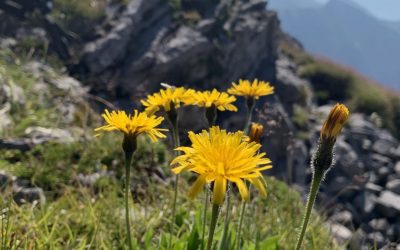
x: 384, y: 9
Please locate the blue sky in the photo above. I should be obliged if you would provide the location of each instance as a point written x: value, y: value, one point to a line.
x: 383, y: 9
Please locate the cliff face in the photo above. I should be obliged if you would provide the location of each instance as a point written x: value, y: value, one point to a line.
x: 148, y: 45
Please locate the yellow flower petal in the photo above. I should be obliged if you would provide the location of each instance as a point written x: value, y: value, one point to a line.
x: 197, y: 186
x: 219, y: 190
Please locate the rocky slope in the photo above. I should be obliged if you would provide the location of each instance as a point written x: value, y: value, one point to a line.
x: 207, y: 44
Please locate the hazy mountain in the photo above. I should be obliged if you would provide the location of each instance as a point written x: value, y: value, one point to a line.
x: 346, y: 32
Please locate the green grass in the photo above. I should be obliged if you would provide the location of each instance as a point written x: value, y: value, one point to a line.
x: 79, y: 219
x: 333, y: 82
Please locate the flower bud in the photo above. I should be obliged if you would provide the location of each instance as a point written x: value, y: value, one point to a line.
x: 322, y: 159
x: 256, y: 131
x: 335, y: 122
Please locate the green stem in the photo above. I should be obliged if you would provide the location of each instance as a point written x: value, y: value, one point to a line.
x: 213, y: 224
x: 250, y: 104
x: 128, y: 160
x: 204, y: 218
x: 239, y: 230
x: 316, y: 181
x: 211, y: 115
x: 175, y: 133
x: 226, y: 222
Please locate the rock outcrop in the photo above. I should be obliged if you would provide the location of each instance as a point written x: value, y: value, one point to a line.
x: 146, y: 46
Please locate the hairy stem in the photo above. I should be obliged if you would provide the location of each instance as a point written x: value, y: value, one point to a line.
x: 239, y: 230
x: 316, y: 181
x: 128, y: 160
x: 203, y: 234
x: 175, y: 133
x: 213, y: 224
x: 226, y: 222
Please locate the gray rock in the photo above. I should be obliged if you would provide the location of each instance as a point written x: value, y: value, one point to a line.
x: 373, y: 188
x: 288, y: 85
x: 341, y: 233
x: 365, y: 203
x: 393, y: 232
x: 30, y: 195
x: 347, y: 161
x: 388, y: 204
x: 21, y: 144
x: 40, y: 135
x: 386, y: 146
x: 376, y: 239
x: 7, y: 43
x: 379, y: 161
x: 379, y: 224
x: 5, y: 119
x: 11, y: 92
x: 344, y: 217
x: 90, y: 180
x: 70, y: 85
x: 394, y: 186
x: 109, y: 50
x: 5, y: 179
x: 397, y: 168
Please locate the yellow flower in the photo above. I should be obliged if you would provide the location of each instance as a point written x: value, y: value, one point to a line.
x: 256, y: 131
x: 166, y: 99
x: 253, y: 90
x: 335, y: 122
x: 218, y: 156
x: 220, y: 100
x: 134, y: 125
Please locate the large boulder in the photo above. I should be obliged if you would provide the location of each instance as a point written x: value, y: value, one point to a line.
x: 146, y: 46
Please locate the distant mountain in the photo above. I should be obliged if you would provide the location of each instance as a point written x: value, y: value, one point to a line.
x: 347, y: 33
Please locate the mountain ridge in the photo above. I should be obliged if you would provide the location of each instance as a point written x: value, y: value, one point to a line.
x: 348, y: 34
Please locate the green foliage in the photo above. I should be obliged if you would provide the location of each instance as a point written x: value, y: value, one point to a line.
x: 78, y: 219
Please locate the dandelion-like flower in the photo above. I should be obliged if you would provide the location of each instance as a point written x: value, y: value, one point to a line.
x: 208, y: 99
x: 166, y: 99
x: 219, y: 156
x: 251, y: 90
x: 335, y: 122
x: 134, y: 125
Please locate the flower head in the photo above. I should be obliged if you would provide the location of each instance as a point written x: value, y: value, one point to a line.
x: 218, y: 156
x: 335, y: 122
x: 166, y: 99
x: 251, y: 90
x: 220, y: 100
x: 256, y: 131
x: 134, y: 125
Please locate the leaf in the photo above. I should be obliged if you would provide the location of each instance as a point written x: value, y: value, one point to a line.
x: 270, y: 243
x: 194, y: 239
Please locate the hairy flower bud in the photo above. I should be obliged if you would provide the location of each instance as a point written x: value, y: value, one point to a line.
x: 256, y: 131
x: 335, y: 122
x: 323, y: 158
